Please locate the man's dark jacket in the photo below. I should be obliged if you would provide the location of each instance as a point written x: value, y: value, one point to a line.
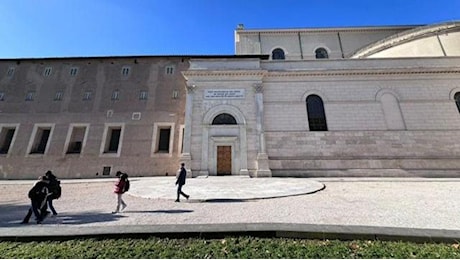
x: 182, y: 176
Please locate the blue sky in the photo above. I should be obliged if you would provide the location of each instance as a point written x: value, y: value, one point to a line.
x: 84, y: 28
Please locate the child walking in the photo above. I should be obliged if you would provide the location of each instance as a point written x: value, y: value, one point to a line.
x: 121, y: 187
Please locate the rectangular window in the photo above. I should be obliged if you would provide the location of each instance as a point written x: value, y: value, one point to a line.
x: 116, y: 95
x: 6, y: 137
x: 73, y: 71
x: 169, y: 70
x: 143, y: 94
x: 125, y: 71
x: 87, y: 95
x: 47, y: 71
x: 40, y: 141
x: 163, y: 143
x: 10, y: 71
x: 30, y: 96
x: 58, y: 96
x: 112, y: 139
x: 76, y: 139
x: 163, y: 136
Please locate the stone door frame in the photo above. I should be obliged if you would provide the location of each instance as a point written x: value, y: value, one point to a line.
x: 226, y: 135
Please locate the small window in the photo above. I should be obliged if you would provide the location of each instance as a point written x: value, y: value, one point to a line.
x: 457, y: 100
x: 175, y: 94
x: 278, y: 54
x: 73, y: 71
x: 30, y: 96
x: 224, y: 119
x: 87, y: 95
x: 136, y: 116
x: 6, y: 137
x: 58, y: 96
x: 40, y: 141
x: 47, y: 71
x: 116, y: 95
x: 10, y: 71
x: 169, y: 70
x: 321, y: 53
x: 315, y: 112
x: 143, y: 95
x: 125, y: 71
x: 2, y: 96
x: 106, y: 170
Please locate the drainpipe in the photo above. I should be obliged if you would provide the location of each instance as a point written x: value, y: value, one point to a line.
x: 340, y: 44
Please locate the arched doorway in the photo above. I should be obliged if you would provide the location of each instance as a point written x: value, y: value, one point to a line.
x: 224, y: 152
x: 223, y: 142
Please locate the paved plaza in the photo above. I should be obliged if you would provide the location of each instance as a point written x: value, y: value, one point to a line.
x: 371, y: 207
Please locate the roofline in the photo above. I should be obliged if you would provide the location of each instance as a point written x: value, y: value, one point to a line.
x: 404, y: 37
x: 329, y: 29
x: 259, y: 56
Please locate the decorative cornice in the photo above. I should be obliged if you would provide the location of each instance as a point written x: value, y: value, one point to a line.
x: 323, y: 30
x: 331, y: 73
x: 226, y: 73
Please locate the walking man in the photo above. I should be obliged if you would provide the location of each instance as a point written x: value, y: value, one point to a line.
x: 181, y: 182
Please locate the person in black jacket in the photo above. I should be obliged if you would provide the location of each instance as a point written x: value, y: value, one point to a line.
x: 54, y: 187
x: 38, y: 197
x: 181, y: 182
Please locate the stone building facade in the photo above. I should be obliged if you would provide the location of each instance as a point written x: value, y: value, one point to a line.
x: 90, y: 117
x: 354, y: 101
x: 364, y: 101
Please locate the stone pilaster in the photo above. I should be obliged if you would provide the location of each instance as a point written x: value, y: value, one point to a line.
x: 186, y: 156
x: 263, y: 169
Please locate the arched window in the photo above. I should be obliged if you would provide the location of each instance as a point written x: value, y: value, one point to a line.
x: 224, y: 119
x: 315, y: 112
x: 457, y: 100
x: 278, y: 54
x: 321, y: 53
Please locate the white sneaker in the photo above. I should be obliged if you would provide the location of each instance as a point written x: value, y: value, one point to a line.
x: 123, y: 207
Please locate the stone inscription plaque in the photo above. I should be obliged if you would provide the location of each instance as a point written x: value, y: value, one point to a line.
x: 224, y: 94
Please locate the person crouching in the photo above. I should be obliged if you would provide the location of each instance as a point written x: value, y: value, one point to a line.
x: 38, y: 196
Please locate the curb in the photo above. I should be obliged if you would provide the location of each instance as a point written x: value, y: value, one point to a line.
x: 279, y: 230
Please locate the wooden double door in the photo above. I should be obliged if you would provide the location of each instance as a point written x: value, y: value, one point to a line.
x: 224, y: 160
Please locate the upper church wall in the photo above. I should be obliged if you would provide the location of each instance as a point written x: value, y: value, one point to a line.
x: 301, y: 44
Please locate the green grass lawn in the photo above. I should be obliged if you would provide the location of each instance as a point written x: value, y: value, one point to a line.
x: 231, y: 247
